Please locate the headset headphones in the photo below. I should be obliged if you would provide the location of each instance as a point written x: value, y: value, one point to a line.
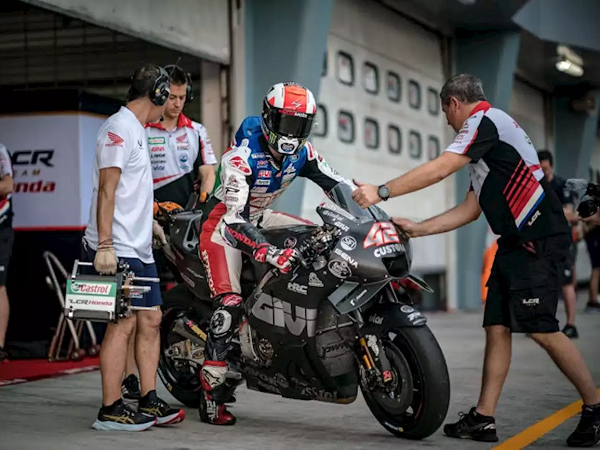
x: 162, y: 88
x: 189, y: 94
x: 159, y: 94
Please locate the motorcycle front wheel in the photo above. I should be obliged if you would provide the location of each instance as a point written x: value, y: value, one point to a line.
x: 415, y: 404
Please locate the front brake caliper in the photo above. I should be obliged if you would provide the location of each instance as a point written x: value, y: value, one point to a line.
x: 376, y: 361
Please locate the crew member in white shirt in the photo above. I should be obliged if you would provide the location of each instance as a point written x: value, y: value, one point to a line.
x: 121, y: 228
x: 183, y: 162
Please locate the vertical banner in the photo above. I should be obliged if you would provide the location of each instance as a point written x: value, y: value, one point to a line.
x: 52, y: 156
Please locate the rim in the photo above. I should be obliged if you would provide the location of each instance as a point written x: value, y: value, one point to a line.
x: 404, y: 407
x: 182, y: 373
x: 399, y: 394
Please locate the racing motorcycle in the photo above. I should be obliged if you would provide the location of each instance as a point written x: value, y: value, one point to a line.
x: 333, y: 325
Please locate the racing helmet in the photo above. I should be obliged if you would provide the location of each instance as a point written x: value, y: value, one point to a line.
x: 287, y: 117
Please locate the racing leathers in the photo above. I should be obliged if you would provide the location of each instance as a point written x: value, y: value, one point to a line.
x: 249, y: 180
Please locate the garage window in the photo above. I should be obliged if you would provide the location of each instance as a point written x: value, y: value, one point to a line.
x: 433, y: 147
x: 433, y: 102
x: 371, y: 133
x: 346, y: 126
x: 320, y: 129
x: 345, y: 68
x: 370, y: 78
x: 414, y: 94
x: 414, y: 144
x: 393, y: 87
x: 394, y: 139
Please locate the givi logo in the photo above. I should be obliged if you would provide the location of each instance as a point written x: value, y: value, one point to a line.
x: 91, y: 288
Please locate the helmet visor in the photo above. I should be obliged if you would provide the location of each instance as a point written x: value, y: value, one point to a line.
x: 291, y: 124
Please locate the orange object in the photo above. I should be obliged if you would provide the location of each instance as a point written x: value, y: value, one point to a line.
x: 203, y: 196
x: 165, y: 206
x: 489, y: 255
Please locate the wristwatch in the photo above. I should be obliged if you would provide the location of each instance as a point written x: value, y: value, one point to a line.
x: 383, y: 192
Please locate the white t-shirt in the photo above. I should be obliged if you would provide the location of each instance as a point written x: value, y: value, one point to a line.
x: 122, y: 143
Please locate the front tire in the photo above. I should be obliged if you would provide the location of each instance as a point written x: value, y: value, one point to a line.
x: 418, y: 406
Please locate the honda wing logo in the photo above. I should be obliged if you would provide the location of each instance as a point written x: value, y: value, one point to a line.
x: 278, y: 313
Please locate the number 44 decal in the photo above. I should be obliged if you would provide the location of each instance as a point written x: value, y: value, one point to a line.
x: 381, y: 233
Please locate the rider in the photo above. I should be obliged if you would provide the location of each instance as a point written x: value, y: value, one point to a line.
x: 267, y: 153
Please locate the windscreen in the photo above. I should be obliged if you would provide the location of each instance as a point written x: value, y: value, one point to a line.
x: 341, y: 195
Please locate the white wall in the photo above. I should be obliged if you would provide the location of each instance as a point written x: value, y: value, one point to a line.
x: 199, y: 28
x: 369, y: 32
x: 527, y: 108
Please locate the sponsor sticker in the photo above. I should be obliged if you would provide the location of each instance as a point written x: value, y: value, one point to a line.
x: 339, y: 268
x: 156, y: 141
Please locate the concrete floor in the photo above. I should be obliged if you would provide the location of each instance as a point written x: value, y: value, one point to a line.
x: 58, y: 413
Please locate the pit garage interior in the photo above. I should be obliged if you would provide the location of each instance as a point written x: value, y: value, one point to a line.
x: 53, y: 63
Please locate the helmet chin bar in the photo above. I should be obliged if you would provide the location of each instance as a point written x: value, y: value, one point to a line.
x: 287, y: 145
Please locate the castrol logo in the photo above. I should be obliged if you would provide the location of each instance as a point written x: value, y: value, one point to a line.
x: 90, y: 288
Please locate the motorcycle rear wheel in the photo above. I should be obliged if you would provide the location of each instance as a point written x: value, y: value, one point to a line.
x: 184, y: 385
x: 418, y: 405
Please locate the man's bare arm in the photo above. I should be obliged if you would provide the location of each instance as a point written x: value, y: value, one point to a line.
x: 570, y: 214
x: 6, y: 185
x: 107, y: 187
x: 206, y: 172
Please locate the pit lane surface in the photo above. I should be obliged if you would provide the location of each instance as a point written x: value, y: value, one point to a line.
x: 58, y: 413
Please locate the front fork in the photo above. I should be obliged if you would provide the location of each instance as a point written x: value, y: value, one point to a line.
x: 378, y: 371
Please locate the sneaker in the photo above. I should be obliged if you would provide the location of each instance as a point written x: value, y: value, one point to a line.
x: 213, y: 412
x: 130, y: 388
x: 473, y: 426
x: 587, y: 432
x: 3, y: 355
x: 593, y: 307
x: 120, y: 417
x: 165, y: 415
x: 570, y: 331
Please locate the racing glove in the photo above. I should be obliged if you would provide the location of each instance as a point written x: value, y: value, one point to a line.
x: 283, y: 259
x: 105, y: 261
x: 158, y: 235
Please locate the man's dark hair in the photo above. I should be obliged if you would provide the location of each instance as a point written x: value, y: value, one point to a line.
x: 142, y: 81
x: 545, y: 155
x: 465, y: 87
x: 178, y: 76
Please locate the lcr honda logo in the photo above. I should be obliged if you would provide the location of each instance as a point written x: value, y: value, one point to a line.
x: 22, y: 161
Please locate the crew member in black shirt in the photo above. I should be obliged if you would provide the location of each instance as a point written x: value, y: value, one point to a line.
x: 508, y: 185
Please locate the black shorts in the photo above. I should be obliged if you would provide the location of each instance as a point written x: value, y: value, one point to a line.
x: 7, y: 237
x: 524, y: 285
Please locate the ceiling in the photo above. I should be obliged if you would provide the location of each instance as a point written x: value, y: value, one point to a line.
x: 536, y: 57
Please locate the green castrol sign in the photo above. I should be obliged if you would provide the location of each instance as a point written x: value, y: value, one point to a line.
x: 91, y: 295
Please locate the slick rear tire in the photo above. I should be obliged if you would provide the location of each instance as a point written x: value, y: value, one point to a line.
x: 416, y: 352
x: 178, y: 387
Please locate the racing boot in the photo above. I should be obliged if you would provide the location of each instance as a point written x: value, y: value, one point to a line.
x: 213, y: 376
